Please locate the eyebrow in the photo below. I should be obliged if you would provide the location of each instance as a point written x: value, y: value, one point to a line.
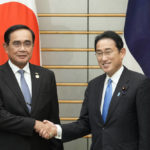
x: 108, y: 49
x: 20, y: 41
x: 104, y: 50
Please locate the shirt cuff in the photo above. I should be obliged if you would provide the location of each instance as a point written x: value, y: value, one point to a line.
x: 59, y: 132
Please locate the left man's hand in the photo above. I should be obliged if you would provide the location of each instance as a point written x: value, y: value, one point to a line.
x: 49, y: 131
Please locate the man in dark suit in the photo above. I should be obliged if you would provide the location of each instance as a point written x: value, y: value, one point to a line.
x: 116, y: 108
x: 20, y: 117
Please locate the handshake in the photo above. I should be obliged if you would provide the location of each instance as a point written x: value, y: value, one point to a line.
x: 45, y: 129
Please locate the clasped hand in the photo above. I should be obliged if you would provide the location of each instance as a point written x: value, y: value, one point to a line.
x: 45, y: 129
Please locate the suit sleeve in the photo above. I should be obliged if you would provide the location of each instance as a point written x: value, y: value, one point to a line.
x: 143, y: 112
x: 79, y: 128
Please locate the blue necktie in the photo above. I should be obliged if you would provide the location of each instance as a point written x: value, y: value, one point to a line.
x: 107, y: 99
x: 25, y: 90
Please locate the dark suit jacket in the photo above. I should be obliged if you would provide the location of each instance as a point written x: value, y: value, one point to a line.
x: 127, y: 126
x: 16, y: 123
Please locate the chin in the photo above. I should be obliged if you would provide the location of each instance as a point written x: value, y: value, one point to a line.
x: 22, y: 63
x: 106, y: 70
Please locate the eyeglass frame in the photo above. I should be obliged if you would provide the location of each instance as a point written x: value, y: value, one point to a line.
x: 100, y: 53
x: 18, y: 44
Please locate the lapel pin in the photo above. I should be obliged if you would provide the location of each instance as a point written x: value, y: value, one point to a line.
x: 37, y: 75
x: 124, y: 89
x: 118, y: 94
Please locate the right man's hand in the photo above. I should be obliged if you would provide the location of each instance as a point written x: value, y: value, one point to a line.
x: 45, y: 129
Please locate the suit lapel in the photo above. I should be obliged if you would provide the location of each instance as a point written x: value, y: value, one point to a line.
x: 123, y: 82
x: 35, y: 80
x: 11, y: 81
x: 98, y: 97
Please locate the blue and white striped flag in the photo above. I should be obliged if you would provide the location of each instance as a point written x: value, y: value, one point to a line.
x: 137, y: 32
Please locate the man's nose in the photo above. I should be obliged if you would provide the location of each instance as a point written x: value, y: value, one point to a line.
x: 104, y: 57
x: 22, y: 47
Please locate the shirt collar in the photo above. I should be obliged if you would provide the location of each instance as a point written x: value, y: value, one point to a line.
x: 116, y: 76
x: 16, y: 68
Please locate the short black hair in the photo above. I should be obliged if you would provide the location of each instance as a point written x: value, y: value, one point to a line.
x: 14, y: 28
x: 110, y: 35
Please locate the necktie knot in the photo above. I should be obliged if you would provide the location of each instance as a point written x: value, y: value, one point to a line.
x: 21, y: 72
x: 109, y: 81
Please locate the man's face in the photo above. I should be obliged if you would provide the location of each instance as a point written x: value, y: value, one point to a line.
x: 20, y: 47
x: 108, y: 56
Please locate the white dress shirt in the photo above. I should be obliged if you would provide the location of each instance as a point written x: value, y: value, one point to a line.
x: 27, y: 74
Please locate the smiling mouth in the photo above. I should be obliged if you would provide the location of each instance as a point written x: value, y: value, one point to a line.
x: 106, y: 64
x: 21, y: 56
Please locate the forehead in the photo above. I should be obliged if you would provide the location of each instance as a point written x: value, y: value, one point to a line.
x: 106, y: 43
x: 20, y: 35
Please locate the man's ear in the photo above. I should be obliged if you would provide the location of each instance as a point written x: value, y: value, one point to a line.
x: 123, y: 52
x: 5, y: 46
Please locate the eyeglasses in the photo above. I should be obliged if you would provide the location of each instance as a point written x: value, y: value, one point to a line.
x: 18, y: 44
x: 106, y: 53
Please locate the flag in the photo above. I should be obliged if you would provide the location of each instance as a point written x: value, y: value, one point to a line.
x: 14, y: 12
x: 137, y: 32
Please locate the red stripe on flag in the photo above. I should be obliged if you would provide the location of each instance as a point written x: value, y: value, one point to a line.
x: 16, y: 13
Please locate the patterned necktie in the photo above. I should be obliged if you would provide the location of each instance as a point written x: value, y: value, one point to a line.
x: 107, y: 99
x: 25, y: 90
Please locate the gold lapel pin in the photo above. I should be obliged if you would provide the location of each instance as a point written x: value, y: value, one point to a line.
x: 37, y: 75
